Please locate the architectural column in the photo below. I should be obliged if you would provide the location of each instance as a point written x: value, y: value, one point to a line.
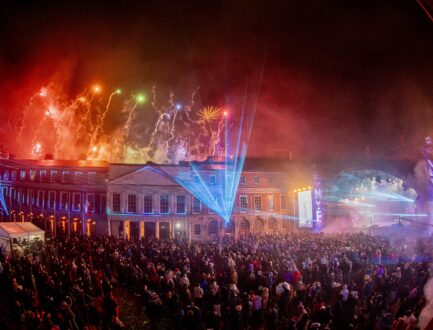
x: 126, y: 229
x: 109, y: 226
x: 171, y: 229
x: 142, y: 233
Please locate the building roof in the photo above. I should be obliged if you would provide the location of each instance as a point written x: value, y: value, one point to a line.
x: 54, y: 163
x: 19, y: 229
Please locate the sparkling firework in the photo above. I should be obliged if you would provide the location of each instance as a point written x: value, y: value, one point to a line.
x: 78, y: 128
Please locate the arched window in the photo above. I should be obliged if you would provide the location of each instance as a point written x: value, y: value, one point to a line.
x: 272, y: 224
x: 244, y: 225
x: 258, y: 225
x: 213, y: 228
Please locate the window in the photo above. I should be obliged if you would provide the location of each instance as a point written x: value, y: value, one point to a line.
x: 30, y: 197
x: 196, y: 205
x: 76, y: 202
x: 148, y: 204
x: 43, y: 176
x: 132, y: 203
x: 256, y: 180
x: 270, y: 202
x: 5, y: 192
x: 196, y: 179
x: 212, y: 179
x: 242, y: 180
x: 14, y: 175
x: 91, y: 178
x: 257, y: 203
x: 103, y: 204
x: 90, y: 202
x: 66, y: 177
x: 79, y: 178
x: 63, y: 200
x: 40, y: 201
x: 116, y: 203
x: 12, y: 194
x: 6, y: 175
x: 53, y: 176
x: 243, y: 202
x: 51, y: 199
x: 22, y: 175
x: 272, y: 224
x: 24, y: 196
x: 283, y: 204
x: 164, y: 207
x: 213, y: 228
x: 32, y: 175
x: 180, y: 204
x: 270, y: 180
x: 197, y: 230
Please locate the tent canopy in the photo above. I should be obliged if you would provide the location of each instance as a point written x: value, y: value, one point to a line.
x: 9, y: 230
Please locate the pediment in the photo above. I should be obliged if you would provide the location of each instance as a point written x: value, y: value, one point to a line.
x: 147, y: 175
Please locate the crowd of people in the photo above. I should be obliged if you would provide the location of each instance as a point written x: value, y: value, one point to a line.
x: 293, y: 281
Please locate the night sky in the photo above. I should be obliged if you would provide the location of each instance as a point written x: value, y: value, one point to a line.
x: 337, y: 75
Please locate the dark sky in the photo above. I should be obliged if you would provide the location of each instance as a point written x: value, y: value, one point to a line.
x: 338, y: 75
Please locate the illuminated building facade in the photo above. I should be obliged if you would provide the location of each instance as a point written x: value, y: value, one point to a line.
x: 136, y: 200
x: 61, y: 197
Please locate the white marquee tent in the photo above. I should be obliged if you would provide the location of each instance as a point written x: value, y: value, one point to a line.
x: 18, y: 234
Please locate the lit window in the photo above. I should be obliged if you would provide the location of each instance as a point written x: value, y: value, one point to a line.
x: 6, y: 175
x: 91, y: 178
x: 53, y: 176
x: 270, y: 202
x: 76, y: 202
x: 90, y: 203
x: 79, y: 178
x: 196, y: 179
x: 66, y: 178
x: 213, y: 227
x: 283, y: 202
x: 30, y: 197
x: 164, y: 207
x: 243, y: 203
x: 40, y: 201
x: 63, y: 200
x: 14, y: 175
x: 103, y: 204
x: 22, y: 175
x: 256, y: 180
x: 51, y: 199
x: 242, y: 180
x: 180, y: 204
x: 132, y: 203
x: 24, y: 196
x: 197, y: 230
x: 257, y: 203
x: 148, y: 204
x: 32, y: 175
x: 196, y: 205
x: 212, y: 179
x: 116, y: 203
x: 43, y: 176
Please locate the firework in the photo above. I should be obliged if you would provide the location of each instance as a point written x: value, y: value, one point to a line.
x: 209, y: 114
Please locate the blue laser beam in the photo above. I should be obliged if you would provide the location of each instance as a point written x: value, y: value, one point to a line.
x: 3, y: 201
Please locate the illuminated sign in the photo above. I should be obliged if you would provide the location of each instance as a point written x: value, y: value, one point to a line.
x: 305, y: 207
